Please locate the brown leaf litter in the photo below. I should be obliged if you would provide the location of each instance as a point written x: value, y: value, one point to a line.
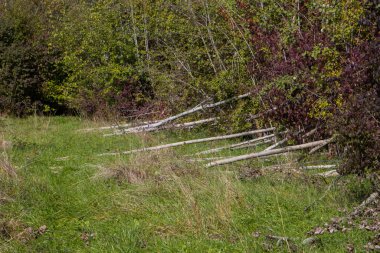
x: 364, y: 217
x: 16, y: 230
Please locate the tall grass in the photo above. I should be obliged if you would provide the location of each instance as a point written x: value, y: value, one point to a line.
x: 157, y: 201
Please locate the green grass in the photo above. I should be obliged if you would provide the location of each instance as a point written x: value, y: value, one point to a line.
x: 174, y: 207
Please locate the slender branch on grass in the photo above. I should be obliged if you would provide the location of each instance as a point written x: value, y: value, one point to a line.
x: 215, y: 150
x: 321, y: 146
x: 175, y: 144
x: 266, y: 153
x: 276, y: 144
x: 313, y: 167
x: 185, y: 113
x: 176, y: 126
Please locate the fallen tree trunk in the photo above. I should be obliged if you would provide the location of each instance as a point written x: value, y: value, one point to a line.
x: 215, y: 150
x: 276, y: 144
x: 223, y: 137
x: 182, y: 114
x: 330, y: 173
x: 315, y: 167
x: 321, y: 146
x: 266, y: 153
x: 374, y: 198
x: 254, y: 144
x: 180, y: 125
x: 116, y: 126
x: 204, y: 159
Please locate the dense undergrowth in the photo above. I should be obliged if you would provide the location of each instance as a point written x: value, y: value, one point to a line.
x: 307, y: 64
x: 67, y: 199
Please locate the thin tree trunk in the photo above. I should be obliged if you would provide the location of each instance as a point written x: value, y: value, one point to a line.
x: 181, y: 125
x: 254, y: 144
x: 321, y: 146
x: 330, y: 173
x: 135, y: 32
x: 313, y: 167
x: 215, y: 150
x: 185, y: 113
x: 276, y: 144
x: 266, y: 153
x: 175, y: 144
x: 116, y: 126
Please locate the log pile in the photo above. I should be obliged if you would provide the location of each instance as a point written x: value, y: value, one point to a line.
x: 265, y: 135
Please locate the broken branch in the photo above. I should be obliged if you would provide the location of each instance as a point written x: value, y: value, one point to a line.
x: 223, y: 137
x: 182, y: 114
x: 266, y: 153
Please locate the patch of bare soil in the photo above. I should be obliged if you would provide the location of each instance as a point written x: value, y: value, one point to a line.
x: 7, y: 168
x: 16, y: 230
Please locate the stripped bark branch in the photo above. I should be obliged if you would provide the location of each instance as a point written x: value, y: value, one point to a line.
x: 214, y: 150
x: 115, y: 126
x: 330, y: 173
x: 315, y: 167
x: 312, y: 151
x: 185, y: 113
x: 266, y: 153
x: 180, y: 125
x: 276, y: 144
x: 223, y: 137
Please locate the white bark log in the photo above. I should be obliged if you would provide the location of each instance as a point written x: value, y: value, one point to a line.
x: 330, y: 173
x: 115, y: 126
x: 181, y: 125
x: 276, y: 144
x: 215, y: 150
x: 266, y: 153
x: 193, y: 110
x: 175, y: 144
x: 315, y: 167
x: 312, y: 151
x: 254, y: 144
x: 204, y: 159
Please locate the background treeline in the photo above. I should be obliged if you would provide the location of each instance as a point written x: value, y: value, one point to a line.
x: 309, y: 64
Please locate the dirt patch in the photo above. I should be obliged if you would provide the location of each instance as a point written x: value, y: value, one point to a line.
x: 16, y: 230
x: 4, y: 145
x: 7, y: 168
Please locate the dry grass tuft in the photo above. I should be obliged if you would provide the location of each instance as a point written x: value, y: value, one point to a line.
x: 159, y: 166
x: 4, y: 145
x: 16, y: 230
x: 7, y: 168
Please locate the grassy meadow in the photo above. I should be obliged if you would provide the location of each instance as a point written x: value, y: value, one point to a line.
x: 65, y: 198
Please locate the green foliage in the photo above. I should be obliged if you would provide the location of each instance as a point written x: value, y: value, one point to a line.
x: 96, y: 49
